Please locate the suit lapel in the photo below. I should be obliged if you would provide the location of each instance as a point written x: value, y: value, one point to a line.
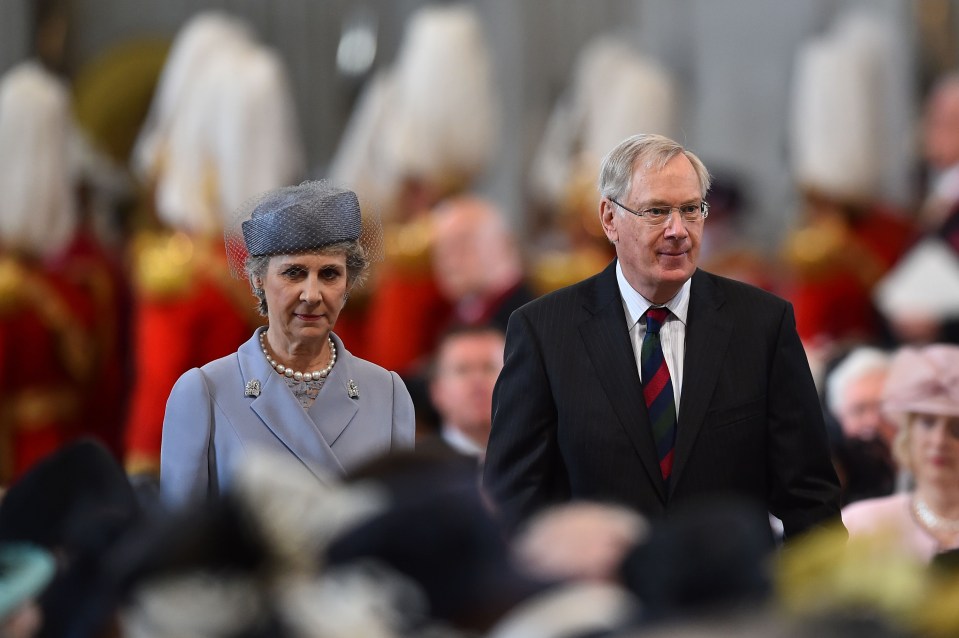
x: 279, y: 411
x: 707, y: 337
x: 607, y: 341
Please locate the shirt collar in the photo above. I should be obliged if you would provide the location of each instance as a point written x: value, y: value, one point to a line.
x: 636, y: 304
x: 460, y: 442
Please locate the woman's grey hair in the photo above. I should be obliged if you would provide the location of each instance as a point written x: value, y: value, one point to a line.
x: 357, y: 267
x: 651, y: 152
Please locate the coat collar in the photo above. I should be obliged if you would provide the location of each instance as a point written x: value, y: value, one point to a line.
x: 309, y: 434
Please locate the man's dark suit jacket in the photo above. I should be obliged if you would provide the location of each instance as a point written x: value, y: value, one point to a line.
x: 569, y: 420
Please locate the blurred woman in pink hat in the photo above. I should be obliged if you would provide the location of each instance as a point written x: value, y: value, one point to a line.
x: 922, y: 396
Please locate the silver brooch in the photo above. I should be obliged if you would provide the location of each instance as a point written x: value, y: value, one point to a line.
x: 252, y: 388
x: 353, y: 390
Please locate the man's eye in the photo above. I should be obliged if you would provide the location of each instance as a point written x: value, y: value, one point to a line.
x: 657, y: 212
x: 689, y: 209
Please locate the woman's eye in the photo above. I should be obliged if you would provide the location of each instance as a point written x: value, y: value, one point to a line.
x: 330, y: 273
x: 293, y: 271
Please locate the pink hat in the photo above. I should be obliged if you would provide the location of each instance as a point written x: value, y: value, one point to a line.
x: 925, y: 380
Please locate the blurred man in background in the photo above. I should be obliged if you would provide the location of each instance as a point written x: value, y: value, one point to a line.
x: 477, y: 263
x: 862, y: 448
x: 468, y: 360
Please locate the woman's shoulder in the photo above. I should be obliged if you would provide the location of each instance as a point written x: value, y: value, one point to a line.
x: 367, y: 369
x: 364, y: 373
x: 870, y: 513
x: 221, y: 366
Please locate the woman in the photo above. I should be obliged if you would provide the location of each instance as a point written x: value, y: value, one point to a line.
x: 293, y: 387
x: 922, y: 396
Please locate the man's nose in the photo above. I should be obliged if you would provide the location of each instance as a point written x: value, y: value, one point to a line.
x: 675, y: 226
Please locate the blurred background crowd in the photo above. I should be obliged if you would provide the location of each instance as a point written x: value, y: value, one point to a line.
x: 131, y: 133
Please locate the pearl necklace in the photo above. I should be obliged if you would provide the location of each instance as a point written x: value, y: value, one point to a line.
x: 932, y: 521
x: 296, y: 375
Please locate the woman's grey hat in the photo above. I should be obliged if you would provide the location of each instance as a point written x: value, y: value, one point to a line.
x: 301, y: 218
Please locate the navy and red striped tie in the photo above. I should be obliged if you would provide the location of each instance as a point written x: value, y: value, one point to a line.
x: 658, y: 390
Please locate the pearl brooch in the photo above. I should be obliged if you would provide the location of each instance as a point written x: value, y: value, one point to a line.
x: 296, y: 375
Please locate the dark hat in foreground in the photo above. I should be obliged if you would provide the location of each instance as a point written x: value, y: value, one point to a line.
x: 438, y: 534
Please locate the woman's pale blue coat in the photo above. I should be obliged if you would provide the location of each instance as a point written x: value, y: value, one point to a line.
x: 213, y: 420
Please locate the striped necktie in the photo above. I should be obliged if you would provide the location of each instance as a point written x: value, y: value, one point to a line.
x: 658, y: 390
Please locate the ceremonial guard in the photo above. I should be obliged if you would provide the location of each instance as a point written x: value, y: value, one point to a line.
x: 222, y: 129
x: 47, y: 354
x: 848, y: 234
x: 407, y: 148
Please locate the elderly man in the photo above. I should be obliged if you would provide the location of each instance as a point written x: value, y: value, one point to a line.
x: 863, y: 452
x: 653, y: 383
x: 854, y: 395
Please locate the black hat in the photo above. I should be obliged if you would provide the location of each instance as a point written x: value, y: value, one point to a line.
x: 438, y: 534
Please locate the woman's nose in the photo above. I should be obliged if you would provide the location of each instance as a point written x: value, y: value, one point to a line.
x: 311, y: 292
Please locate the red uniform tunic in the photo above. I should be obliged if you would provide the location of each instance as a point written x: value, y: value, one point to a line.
x: 45, y: 356
x: 99, y: 276
x: 188, y: 311
x: 833, y: 296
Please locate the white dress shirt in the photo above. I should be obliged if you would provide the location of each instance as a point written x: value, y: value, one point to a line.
x: 460, y: 442
x: 672, y: 335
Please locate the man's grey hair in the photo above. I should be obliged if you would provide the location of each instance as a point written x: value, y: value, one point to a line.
x: 649, y: 151
x: 857, y: 364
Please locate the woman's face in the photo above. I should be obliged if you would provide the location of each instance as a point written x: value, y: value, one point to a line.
x: 934, y: 448
x: 304, y: 294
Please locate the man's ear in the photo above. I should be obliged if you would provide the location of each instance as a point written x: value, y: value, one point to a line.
x: 608, y: 218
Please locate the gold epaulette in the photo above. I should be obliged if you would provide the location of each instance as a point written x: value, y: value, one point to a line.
x: 556, y: 269
x: 815, y: 249
x: 141, y: 464
x: 56, y: 313
x: 11, y: 284
x: 163, y: 263
x: 408, y: 245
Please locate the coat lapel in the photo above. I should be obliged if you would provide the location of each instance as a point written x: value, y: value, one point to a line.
x: 334, y: 408
x: 707, y: 337
x: 607, y: 341
x: 279, y: 411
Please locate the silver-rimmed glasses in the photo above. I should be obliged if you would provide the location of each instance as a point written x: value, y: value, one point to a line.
x: 657, y: 215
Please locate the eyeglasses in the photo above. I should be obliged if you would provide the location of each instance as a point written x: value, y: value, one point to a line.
x: 658, y: 215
